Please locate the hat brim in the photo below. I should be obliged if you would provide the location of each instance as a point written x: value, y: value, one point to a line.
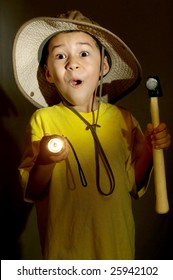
x: 123, y: 77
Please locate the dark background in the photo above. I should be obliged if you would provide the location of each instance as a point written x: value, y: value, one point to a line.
x: 147, y: 28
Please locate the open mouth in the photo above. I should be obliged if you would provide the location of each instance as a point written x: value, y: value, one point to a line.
x: 76, y: 82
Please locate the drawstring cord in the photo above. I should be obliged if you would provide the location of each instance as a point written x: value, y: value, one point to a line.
x: 99, y: 152
x: 81, y: 173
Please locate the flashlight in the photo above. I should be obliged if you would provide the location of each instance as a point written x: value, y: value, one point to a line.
x: 56, y: 144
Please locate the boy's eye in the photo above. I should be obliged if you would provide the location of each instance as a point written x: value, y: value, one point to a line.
x: 60, y: 56
x: 85, y: 53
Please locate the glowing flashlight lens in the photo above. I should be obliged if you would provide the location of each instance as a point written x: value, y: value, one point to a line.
x: 55, y: 145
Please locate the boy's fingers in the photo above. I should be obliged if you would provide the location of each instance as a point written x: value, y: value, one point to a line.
x: 162, y: 126
x: 149, y: 128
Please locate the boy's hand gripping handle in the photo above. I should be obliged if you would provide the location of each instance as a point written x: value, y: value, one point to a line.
x: 162, y: 205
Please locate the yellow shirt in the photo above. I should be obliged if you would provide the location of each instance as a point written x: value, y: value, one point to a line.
x: 77, y: 222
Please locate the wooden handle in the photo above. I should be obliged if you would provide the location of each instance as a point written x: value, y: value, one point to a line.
x: 162, y: 205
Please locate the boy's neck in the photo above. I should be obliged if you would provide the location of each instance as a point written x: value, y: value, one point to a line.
x: 86, y: 108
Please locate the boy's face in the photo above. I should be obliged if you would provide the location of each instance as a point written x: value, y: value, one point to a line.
x: 73, y: 65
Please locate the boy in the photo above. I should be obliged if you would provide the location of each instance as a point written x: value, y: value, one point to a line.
x: 82, y: 194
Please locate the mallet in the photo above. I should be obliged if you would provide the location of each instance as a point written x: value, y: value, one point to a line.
x: 162, y: 205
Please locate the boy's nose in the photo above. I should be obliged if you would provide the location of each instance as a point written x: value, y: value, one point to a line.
x: 72, y: 65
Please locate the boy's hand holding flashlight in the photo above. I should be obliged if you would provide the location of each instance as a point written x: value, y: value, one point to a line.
x: 53, y: 149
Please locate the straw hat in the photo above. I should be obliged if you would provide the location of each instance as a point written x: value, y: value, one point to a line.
x: 123, y: 77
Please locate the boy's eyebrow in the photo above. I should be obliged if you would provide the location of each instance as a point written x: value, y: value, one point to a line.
x: 78, y: 43
x: 84, y: 43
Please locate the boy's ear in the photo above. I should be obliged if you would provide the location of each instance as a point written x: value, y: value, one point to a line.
x: 48, y: 75
x: 105, y: 66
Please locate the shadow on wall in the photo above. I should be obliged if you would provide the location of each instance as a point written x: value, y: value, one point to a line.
x: 13, y: 210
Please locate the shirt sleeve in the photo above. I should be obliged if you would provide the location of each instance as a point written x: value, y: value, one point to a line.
x: 136, y: 145
x: 31, y: 149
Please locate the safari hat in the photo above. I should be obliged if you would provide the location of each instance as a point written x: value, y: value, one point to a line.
x: 124, y: 74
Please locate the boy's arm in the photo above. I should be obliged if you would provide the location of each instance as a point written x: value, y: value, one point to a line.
x: 41, y: 173
x: 38, y: 181
x: 143, y: 166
